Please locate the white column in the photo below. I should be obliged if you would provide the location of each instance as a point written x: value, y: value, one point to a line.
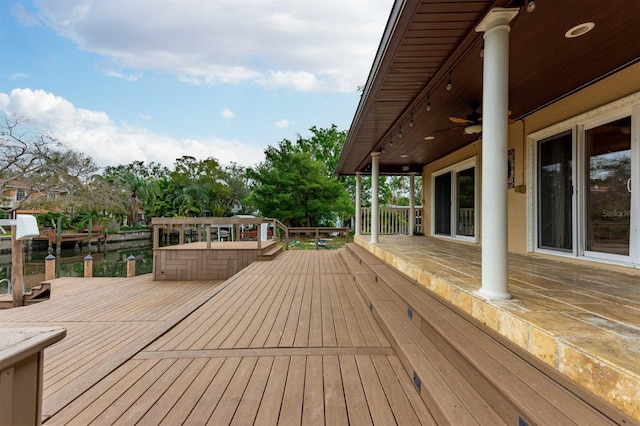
x: 358, y: 203
x: 412, y: 203
x: 495, y: 107
x: 375, y: 205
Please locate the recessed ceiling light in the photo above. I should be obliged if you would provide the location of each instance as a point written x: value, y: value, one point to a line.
x: 579, y: 30
x: 429, y: 138
x: 404, y: 156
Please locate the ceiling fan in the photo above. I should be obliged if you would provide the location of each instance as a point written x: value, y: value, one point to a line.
x: 473, y: 123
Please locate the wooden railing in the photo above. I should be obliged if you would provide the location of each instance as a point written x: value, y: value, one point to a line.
x: 392, y: 220
x: 200, y: 229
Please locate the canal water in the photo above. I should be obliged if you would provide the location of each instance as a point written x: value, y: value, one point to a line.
x: 109, y: 260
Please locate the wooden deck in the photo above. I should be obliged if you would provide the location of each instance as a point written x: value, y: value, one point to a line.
x: 108, y: 320
x: 284, y: 342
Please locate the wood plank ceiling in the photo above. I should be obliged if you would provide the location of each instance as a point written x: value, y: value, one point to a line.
x: 428, y: 43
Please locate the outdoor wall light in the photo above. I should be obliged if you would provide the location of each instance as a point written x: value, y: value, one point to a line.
x: 531, y: 6
x: 449, y: 86
x: 428, y: 104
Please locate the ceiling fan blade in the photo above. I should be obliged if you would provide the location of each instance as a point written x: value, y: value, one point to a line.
x: 459, y: 120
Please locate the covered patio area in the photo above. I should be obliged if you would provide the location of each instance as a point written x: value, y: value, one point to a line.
x: 581, y: 319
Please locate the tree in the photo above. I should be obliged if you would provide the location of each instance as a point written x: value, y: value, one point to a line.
x: 163, y: 195
x: 325, y: 146
x: 134, y: 185
x: 238, y: 183
x: 53, y: 176
x: 200, y: 185
x: 293, y: 187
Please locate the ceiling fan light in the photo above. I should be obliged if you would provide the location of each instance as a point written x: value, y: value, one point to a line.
x: 473, y: 129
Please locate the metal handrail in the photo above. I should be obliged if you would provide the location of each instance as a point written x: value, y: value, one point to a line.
x: 9, y: 286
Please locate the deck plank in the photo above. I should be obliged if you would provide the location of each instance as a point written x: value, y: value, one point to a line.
x: 290, y: 342
x: 269, y: 410
x: 250, y: 403
x: 400, y: 405
x: 279, y: 322
x: 313, y: 405
x: 304, y: 322
x: 315, y: 329
x: 355, y: 399
x: 376, y: 399
x: 88, y: 405
x: 205, y: 406
x: 335, y: 405
x: 259, y: 316
x: 161, y: 408
x: 130, y: 396
x: 232, y: 395
x: 291, y: 325
x: 270, y: 320
x: 328, y: 328
x: 341, y: 329
x: 192, y: 395
x: 149, y: 398
x: 242, y: 317
x: 355, y: 333
x: 292, y: 400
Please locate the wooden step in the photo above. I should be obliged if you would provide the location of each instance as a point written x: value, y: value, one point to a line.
x: 516, y: 385
x: 270, y: 252
x: 35, y: 295
x: 449, y: 397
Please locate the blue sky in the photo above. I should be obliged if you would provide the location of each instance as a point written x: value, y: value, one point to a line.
x: 152, y: 80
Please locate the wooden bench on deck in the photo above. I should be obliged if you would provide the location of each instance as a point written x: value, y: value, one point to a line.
x: 465, y: 372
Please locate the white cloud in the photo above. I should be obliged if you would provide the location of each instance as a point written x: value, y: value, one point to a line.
x: 312, y: 45
x: 23, y: 16
x: 127, y: 77
x: 18, y: 75
x: 281, y: 124
x: 227, y: 113
x: 109, y: 143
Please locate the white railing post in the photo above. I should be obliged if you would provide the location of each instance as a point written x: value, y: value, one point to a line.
x: 375, y: 209
x: 412, y: 203
x: 358, y: 203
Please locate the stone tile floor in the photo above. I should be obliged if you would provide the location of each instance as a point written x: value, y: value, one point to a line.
x: 582, y: 319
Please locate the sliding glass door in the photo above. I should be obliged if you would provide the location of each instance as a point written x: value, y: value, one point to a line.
x: 555, y: 186
x: 585, y: 192
x: 454, y: 200
x: 608, y: 187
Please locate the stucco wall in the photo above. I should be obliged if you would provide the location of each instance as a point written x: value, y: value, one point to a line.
x: 616, y: 86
